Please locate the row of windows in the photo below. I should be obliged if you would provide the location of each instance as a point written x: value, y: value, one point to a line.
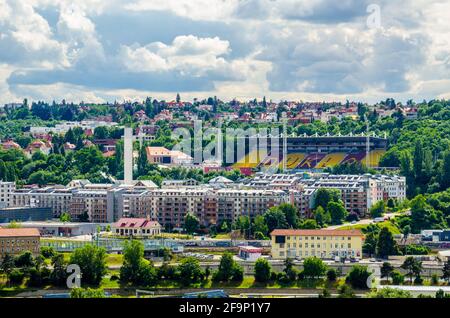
x: 18, y: 242
x: 322, y: 254
x: 299, y: 238
x: 312, y: 245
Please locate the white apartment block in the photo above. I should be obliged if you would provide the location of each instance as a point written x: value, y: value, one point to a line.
x: 6, y: 188
x: 64, y: 127
x: 106, y: 203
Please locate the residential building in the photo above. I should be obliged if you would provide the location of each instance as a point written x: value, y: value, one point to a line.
x: 90, y: 205
x: 17, y: 241
x: 164, y: 156
x: 6, y: 189
x: 140, y: 227
x: 56, y: 198
x: 324, y: 244
x: 38, y: 145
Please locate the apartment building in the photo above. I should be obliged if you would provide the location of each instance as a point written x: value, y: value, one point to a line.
x: 324, y: 244
x: 172, y: 205
x: 212, y: 204
x: 6, y: 188
x: 90, y: 205
x: 232, y: 203
x: 17, y: 241
x: 56, y: 198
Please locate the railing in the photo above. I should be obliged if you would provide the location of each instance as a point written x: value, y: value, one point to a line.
x: 108, y: 244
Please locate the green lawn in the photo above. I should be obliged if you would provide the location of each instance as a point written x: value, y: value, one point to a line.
x: 392, y: 227
x: 249, y: 282
x: 114, y: 259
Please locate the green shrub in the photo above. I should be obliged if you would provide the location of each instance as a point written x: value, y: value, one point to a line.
x: 16, y: 277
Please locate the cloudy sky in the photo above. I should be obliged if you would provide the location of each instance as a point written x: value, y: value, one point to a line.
x: 106, y: 50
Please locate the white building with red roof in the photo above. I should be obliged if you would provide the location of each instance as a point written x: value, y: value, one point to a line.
x: 140, y: 227
x: 9, y: 144
x: 38, y: 145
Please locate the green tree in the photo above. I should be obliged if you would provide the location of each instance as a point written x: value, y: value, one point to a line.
x: 418, y: 159
x: 228, y: 269
x: 388, y: 292
x: 47, y: 251
x: 345, y: 291
x: 87, y: 293
x: 142, y: 161
x: 89, y: 160
x: 92, y: 262
x: 289, y: 270
x: 7, y: 265
x: 332, y: 275
x: 25, y: 259
x: 337, y: 212
x: 314, y: 267
x: 259, y: 225
x: 191, y: 223
x: 65, y: 217
x: 59, y: 274
x: 413, y: 267
x: 378, y: 209
x: 322, y: 218
x: 101, y: 132
x: 133, y: 255
x: 291, y: 214
x: 190, y: 271
x: 386, y: 244
x: 357, y: 277
x: 446, y: 272
x: 324, y: 196
x: 262, y: 270
x: 445, y: 171
x: 386, y: 270
x: 275, y: 219
x: 397, y: 278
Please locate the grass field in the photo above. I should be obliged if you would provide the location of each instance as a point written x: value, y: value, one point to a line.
x: 392, y: 227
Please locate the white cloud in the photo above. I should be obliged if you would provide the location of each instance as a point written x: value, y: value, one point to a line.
x: 27, y: 38
x: 318, y: 49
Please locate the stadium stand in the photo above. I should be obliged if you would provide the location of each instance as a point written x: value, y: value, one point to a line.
x: 305, y: 153
x: 293, y: 160
x: 331, y: 160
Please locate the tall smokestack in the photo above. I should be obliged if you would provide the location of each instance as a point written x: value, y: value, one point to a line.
x: 128, y: 156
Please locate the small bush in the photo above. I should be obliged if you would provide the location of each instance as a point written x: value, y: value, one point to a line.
x: 16, y: 277
x: 397, y: 278
x: 331, y: 275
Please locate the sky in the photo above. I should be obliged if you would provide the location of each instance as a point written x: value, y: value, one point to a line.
x: 311, y: 50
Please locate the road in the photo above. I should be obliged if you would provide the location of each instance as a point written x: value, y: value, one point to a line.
x: 368, y: 221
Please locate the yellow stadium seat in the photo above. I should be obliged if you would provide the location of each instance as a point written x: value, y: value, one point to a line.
x: 374, y: 157
x: 331, y: 160
x: 251, y: 160
x: 293, y: 160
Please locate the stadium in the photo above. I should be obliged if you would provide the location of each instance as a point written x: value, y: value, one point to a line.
x: 306, y: 153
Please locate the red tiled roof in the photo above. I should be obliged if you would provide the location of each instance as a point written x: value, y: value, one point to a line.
x: 317, y: 232
x: 135, y: 223
x: 20, y: 232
